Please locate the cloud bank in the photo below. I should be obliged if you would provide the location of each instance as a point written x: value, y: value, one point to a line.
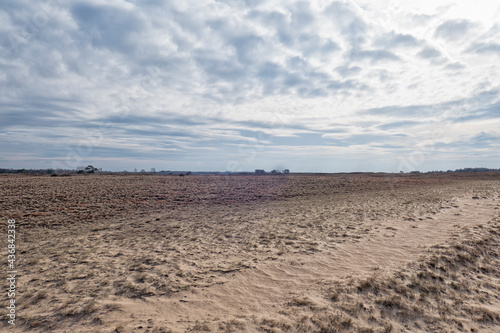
x: 320, y: 86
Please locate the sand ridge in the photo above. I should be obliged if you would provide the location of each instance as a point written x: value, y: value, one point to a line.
x: 257, y: 293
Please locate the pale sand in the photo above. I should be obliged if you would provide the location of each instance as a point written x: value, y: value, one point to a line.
x: 263, y: 291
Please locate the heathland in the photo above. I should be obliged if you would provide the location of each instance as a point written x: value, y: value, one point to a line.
x: 255, y: 253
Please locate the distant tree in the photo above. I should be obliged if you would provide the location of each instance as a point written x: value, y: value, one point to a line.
x: 90, y: 169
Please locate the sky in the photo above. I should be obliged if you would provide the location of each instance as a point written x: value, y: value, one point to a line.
x: 207, y: 85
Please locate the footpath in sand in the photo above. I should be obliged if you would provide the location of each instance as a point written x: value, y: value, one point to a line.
x: 261, y: 293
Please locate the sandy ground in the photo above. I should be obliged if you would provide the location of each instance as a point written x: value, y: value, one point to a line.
x: 298, y: 253
x: 258, y: 293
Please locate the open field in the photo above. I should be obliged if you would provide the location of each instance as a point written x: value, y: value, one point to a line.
x: 283, y: 253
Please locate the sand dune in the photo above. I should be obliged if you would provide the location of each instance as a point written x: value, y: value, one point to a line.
x: 266, y: 289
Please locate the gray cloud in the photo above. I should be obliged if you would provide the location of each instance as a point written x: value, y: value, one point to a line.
x: 107, y: 26
x: 429, y: 53
x: 485, y: 48
x: 487, y: 138
x: 421, y: 19
x: 248, y: 47
x: 346, y: 18
x: 455, y: 66
x: 38, y: 111
x: 302, y: 16
x: 278, y: 21
x: 484, y: 104
x: 486, y: 141
x: 453, y: 29
x: 346, y: 71
x: 313, y: 45
x: 479, y: 112
x: 408, y: 111
x: 370, y: 138
x: 392, y: 40
x: 398, y: 124
x: 374, y: 56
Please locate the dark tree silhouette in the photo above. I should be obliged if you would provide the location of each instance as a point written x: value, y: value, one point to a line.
x: 90, y: 169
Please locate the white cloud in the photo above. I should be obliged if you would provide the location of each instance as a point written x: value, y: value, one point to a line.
x: 182, y: 77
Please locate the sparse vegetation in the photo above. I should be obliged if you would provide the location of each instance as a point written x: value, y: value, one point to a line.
x: 91, y: 242
x: 441, y: 288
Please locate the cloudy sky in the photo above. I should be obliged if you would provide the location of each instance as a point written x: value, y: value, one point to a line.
x: 323, y: 86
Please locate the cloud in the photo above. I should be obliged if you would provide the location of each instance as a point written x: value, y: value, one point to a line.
x: 480, y: 112
x: 419, y: 19
x: 490, y: 138
x: 316, y: 46
x: 429, y: 53
x: 346, y: 71
x: 401, y: 111
x: 113, y: 27
x: 248, y: 47
x: 347, y: 18
x: 398, y: 124
x: 485, y: 48
x: 374, y: 56
x: 392, y: 40
x: 168, y: 82
x: 483, y: 104
x: 41, y: 112
x: 453, y: 30
x: 302, y: 15
x: 277, y: 21
x: 455, y: 66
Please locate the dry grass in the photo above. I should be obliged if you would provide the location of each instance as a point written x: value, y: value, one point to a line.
x: 451, y: 288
